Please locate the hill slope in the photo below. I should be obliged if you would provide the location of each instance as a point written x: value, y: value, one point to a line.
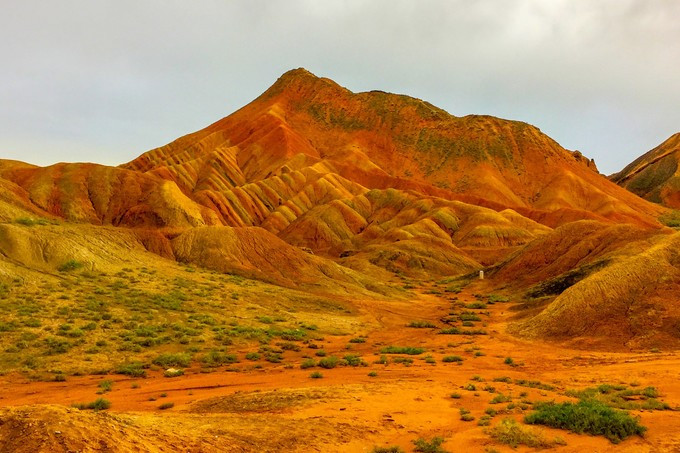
x: 655, y: 176
x: 304, y: 126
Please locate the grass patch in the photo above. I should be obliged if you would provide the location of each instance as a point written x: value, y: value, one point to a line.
x: 587, y: 416
x: 100, y: 404
x: 421, y: 325
x: 452, y: 359
x: 70, y: 265
x: 173, y: 360
x: 622, y: 397
x: 511, y: 433
x: 390, y: 449
x: 433, y: 445
x: 408, y: 350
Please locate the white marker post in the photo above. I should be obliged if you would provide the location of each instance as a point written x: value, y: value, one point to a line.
x: 481, y: 275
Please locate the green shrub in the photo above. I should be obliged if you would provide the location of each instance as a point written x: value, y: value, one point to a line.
x: 216, y: 358
x: 587, y: 416
x: 316, y: 375
x: 421, y: 325
x: 134, y: 369
x: 308, y: 363
x: 408, y: 350
x: 253, y: 356
x: 100, y: 404
x: 511, y: 433
x: 165, y: 406
x: 671, y: 219
x: 173, y: 360
x: 432, y: 446
x: 500, y: 398
x: 70, y: 265
x: 353, y: 360
x: 452, y: 358
x: 390, y: 449
x: 106, y: 385
x: 329, y: 362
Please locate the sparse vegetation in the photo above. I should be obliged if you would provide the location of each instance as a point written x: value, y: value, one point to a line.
x: 587, y: 416
x: 421, y: 325
x: 511, y: 433
x: 408, y: 350
x: 390, y: 449
x: 452, y: 358
x: 100, y: 404
x: 433, y: 445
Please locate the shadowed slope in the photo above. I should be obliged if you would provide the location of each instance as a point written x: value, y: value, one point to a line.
x: 655, y: 176
x: 632, y: 302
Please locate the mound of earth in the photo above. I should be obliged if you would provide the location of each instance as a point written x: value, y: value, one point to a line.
x: 655, y: 176
x: 630, y: 301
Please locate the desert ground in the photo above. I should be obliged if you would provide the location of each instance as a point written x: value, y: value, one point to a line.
x: 263, y: 406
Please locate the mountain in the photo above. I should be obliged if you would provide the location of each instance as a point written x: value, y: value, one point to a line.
x: 309, y: 134
x: 314, y: 186
x: 655, y: 176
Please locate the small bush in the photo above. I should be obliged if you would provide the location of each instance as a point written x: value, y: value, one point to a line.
x: 509, y: 432
x: 432, y: 446
x: 134, y: 369
x: 452, y: 358
x: 100, y: 404
x: 500, y: 398
x: 309, y: 363
x: 165, y: 406
x: 390, y: 449
x: 106, y: 385
x: 316, y: 375
x: 408, y: 350
x: 671, y: 219
x: 329, y: 362
x: 253, y: 356
x: 173, y: 360
x: 587, y: 416
x: 70, y: 265
x: 216, y: 358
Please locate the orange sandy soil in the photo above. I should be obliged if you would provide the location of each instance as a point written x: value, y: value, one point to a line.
x: 277, y: 409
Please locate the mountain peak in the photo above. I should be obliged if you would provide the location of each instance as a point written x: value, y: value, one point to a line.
x: 299, y: 81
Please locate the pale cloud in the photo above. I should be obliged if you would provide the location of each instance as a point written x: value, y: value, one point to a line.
x: 106, y: 80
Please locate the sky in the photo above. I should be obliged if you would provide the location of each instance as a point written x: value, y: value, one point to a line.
x: 104, y: 81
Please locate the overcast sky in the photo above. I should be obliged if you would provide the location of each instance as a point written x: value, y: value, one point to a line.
x: 104, y: 81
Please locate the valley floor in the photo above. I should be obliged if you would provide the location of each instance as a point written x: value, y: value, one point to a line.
x: 280, y: 407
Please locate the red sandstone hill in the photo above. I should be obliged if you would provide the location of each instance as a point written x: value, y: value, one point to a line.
x: 308, y: 134
x: 313, y: 186
x: 655, y: 176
